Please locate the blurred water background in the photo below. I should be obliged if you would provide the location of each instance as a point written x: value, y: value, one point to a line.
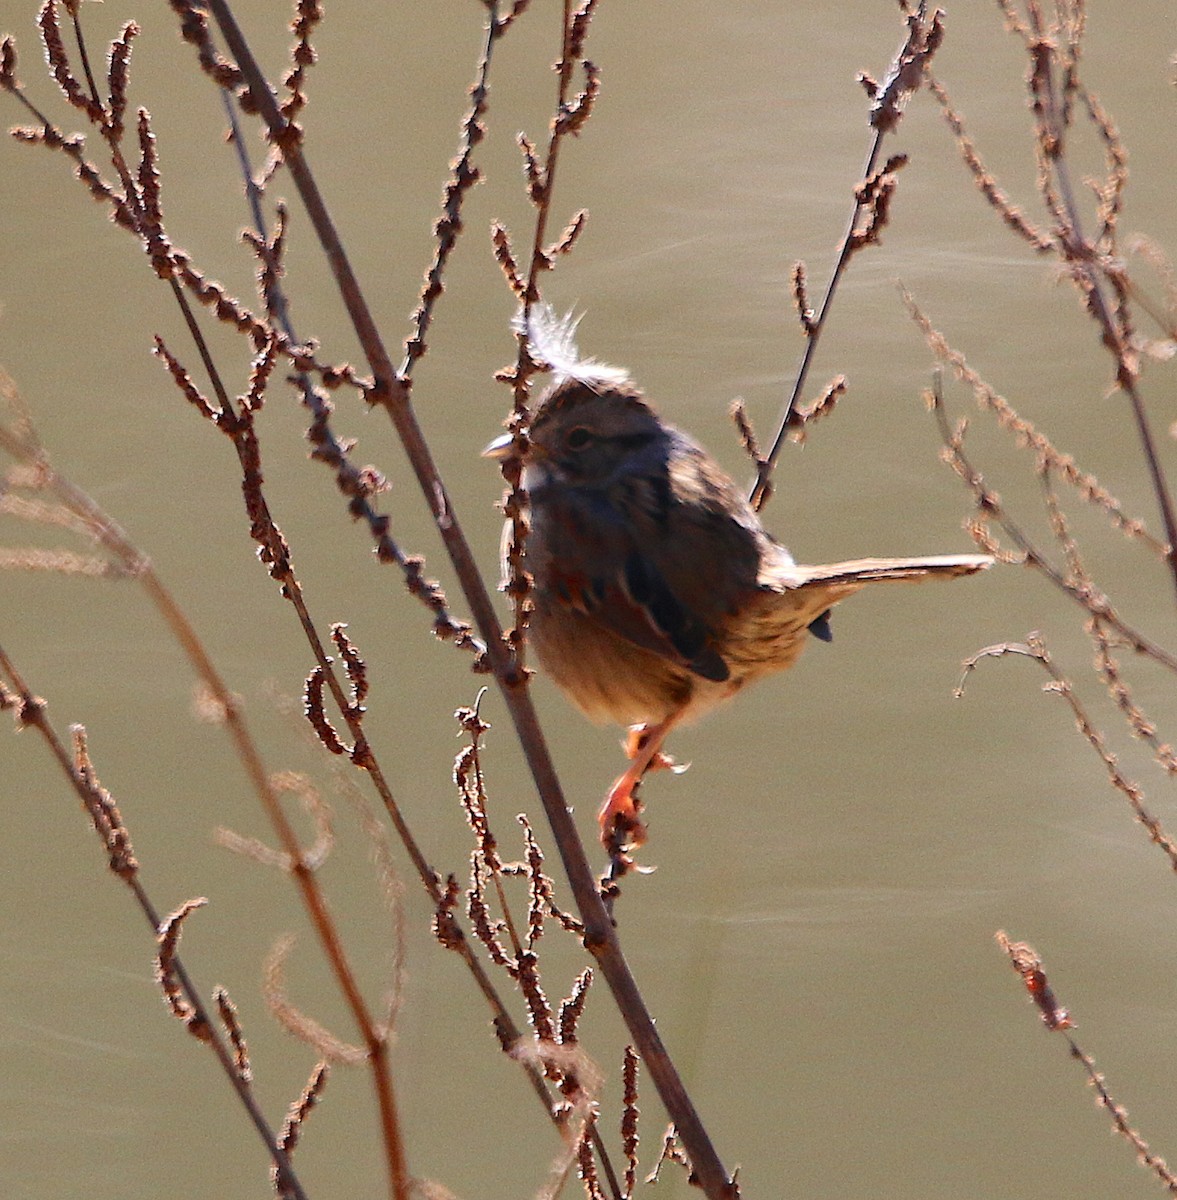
x: 817, y: 941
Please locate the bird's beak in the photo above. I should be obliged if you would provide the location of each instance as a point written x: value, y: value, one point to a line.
x: 500, y: 447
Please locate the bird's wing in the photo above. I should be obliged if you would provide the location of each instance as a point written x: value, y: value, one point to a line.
x: 610, y: 572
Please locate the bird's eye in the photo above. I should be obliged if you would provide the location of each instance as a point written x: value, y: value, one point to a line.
x: 578, y: 438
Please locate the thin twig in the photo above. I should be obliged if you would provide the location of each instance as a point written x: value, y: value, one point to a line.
x: 887, y: 99
x: 991, y: 507
x: 1027, y: 963
x: 390, y: 391
x: 362, y: 753
x: 1034, y: 647
x: 1081, y: 255
x: 32, y: 715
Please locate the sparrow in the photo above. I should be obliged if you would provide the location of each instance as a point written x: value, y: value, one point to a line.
x: 657, y: 592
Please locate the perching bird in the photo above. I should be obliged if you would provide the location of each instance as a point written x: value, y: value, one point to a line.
x: 657, y: 592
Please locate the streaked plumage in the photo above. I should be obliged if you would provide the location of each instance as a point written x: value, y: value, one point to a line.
x: 658, y: 593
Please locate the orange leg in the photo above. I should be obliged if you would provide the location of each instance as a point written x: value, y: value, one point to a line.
x: 636, y: 738
x: 621, y: 827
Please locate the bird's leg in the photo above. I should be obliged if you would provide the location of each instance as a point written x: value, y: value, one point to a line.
x: 636, y: 737
x: 621, y: 827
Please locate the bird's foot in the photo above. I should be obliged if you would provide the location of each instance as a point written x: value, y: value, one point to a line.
x: 622, y: 829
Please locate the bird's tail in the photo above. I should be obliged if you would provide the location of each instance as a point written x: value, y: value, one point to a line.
x: 795, y: 598
x: 860, y: 571
x: 809, y: 591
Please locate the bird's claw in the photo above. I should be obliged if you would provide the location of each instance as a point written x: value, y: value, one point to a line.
x: 622, y: 829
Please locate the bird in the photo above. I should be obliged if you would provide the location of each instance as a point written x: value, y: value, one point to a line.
x: 657, y: 593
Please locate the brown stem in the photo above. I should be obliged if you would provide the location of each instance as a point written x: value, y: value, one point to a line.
x: 1094, y: 604
x: 362, y: 753
x: 304, y: 877
x: 392, y: 392
x: 116, y: 541
x: 33, y: 714
x: 759, y: 493
x: 924, y: 35
x: 1081, y: 255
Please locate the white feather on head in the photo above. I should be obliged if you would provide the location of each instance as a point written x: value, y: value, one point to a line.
x: 551, y: 340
